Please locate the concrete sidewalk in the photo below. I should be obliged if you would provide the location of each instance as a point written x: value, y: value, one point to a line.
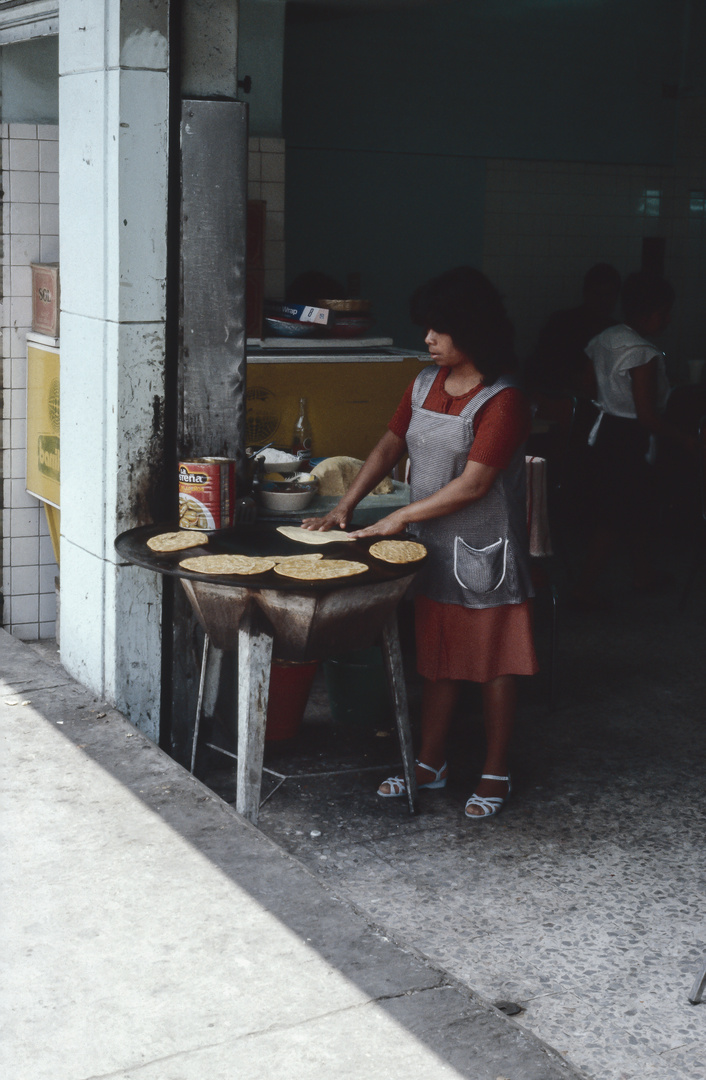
x: 149, y: 932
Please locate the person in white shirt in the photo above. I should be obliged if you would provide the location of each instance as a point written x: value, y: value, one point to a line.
x: 631, y: 391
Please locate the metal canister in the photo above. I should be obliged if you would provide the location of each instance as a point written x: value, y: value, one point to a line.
x: 207, y: 493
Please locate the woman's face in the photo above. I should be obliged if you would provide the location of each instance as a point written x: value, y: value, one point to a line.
x: 443, y: 351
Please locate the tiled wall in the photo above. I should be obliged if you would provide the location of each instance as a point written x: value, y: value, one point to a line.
x: 30, y: 233
x: 266, y: 181
x: 547, y: 222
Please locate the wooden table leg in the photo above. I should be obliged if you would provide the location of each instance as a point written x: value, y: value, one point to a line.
x: 395, y: 674
x: 254, y: 660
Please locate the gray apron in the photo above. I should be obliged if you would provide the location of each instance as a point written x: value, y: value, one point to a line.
x: 479, y: 555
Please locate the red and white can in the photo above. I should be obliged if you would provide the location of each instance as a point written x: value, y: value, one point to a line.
x: 207, y: 493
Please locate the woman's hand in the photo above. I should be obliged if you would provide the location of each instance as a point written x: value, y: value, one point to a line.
x: 337, y: 518
x: 388, y: 526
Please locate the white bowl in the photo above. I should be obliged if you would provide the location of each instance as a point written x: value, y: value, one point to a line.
x: 287, y: 500
x: 284, y: 468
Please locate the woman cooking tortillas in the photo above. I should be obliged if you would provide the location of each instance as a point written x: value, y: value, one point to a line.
x: 463, y: 423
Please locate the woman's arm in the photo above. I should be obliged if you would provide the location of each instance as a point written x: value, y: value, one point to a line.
x: 644, y: 392
x: 381, y: 460
x: 474, y: 482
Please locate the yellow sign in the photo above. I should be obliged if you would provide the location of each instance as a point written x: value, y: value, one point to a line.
x: 43, y: 423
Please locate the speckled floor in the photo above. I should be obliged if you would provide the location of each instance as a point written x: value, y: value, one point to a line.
x: 584, y: 900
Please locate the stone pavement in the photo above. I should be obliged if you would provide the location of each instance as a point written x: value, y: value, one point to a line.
x: 584, y: 900
x: 148, y: 933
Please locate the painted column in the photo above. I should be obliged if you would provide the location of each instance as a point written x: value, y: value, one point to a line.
x: 113, y: 109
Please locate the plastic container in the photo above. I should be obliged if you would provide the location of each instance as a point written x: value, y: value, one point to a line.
x: 290, y: 685
x: 357, y: 688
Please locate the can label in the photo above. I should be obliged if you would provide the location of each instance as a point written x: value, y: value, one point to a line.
x: 207, y: 493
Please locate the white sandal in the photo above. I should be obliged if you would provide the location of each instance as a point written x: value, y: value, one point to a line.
x: 489, y: 804
x: 399, y: 787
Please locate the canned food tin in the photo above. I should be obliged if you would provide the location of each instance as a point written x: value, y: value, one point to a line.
x: 207, y: 493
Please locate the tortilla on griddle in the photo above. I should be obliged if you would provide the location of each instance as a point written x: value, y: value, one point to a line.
x: 313, y: 536
x: 324, y: 570
x: 176, y: 541
x: 304, y: 557
x: 398, y: 551
x: 227, y: 564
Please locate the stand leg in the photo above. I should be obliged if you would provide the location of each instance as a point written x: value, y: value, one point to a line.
x: 395, y: 675
x: 254, y: 659
x: 209, y: 679
x: 697, y: 989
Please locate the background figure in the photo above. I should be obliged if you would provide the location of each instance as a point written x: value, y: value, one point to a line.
x: 558, y: 364
x: 631, y: 391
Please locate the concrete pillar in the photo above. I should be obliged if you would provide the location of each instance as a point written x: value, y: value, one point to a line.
x: 113, y: 116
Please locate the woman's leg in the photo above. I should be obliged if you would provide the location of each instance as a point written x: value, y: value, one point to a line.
x: 438, y: 703
x: 499, y: 708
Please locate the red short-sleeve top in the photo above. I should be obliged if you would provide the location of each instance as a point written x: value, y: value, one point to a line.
x: 501, y: 425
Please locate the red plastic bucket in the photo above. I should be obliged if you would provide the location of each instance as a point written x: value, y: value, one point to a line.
x: 290, y: 685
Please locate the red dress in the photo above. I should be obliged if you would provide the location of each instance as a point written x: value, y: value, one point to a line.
x: 454, y: 642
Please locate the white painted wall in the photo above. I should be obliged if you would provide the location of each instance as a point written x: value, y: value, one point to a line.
x: 113, y: 114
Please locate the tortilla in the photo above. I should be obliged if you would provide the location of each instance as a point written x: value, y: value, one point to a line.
x: 313, y: 536
x: 324, y: 570
x: 227, y: 564
x: 176, y: 541
x: 310, y: 557
x: 398, y: 551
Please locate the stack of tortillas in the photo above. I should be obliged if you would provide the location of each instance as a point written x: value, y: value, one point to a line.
x: 336, y: 474
x: 177, y: 541
x: 398, y: 551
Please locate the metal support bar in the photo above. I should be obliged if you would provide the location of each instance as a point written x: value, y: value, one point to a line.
x: 395, y: 673
x: 697, y: 990
x: 254, y: 660
x: 209, y: 679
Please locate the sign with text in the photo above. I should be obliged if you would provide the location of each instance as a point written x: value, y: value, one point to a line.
x: 43, y: 455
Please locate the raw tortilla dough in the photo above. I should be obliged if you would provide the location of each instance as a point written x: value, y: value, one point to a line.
x: 336, y: 474
x: 312, y: 536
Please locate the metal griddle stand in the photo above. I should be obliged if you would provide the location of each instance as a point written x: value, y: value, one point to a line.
x: 301, y: 627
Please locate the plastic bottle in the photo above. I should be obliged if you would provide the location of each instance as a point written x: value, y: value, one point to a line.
x: 301, y: 439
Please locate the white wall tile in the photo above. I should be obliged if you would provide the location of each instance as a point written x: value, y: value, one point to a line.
x: 18, y: 436
x: 49, y: 249
x: 49, y: 219
x: 48, y: 131
x: 47, y: 630
x: 21, y: 311
x: 24, y: 187
x: 24, y: 551
x: 45, y: 551
x: 48, y: 156
x: 25, y: 580
x: 24, y: 522
x: 24, y: 249
x: 273, y: 168
x: 47, y: 575
x: 22, y: 131
x: 21, y: 278
x: 25, y: 631
x: 24, y: 217
x: 47, y: 606
x: 48, y: 188
x: 18, y: 374
x: 24, y: 155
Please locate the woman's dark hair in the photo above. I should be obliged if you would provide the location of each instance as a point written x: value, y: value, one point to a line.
x: 463, y: 303
x: 643, y: 293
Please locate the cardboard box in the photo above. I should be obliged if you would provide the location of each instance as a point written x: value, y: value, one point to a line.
x: 45, y: 298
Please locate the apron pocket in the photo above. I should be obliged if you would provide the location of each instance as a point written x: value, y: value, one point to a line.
x: 480, y: 570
